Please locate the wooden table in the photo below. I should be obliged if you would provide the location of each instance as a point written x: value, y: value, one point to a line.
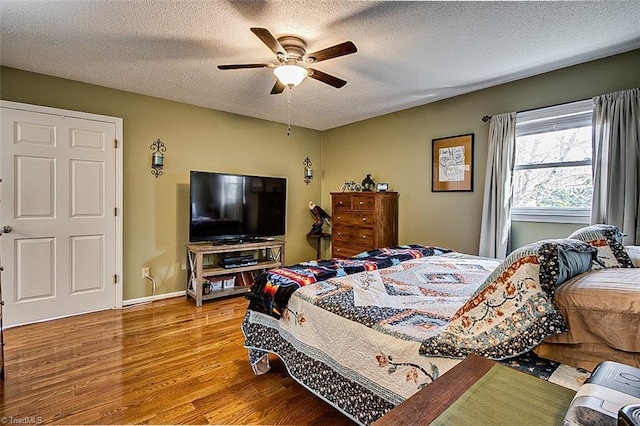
x: 318, y: 238
x: 425, y: 406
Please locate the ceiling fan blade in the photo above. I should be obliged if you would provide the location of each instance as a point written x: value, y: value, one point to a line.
x: 278, y: 88
x: 326, y: 78
x: 242, y: 66
x: 341, y: 49
x: 268, y: 39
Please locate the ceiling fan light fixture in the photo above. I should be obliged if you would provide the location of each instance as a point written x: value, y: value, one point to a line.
x: 290, y: 75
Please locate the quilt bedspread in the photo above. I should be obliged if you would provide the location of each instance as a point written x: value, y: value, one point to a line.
x: 271, y: 291
x: 513, y: 311
x: 373, y: 362
x: 382, y: 317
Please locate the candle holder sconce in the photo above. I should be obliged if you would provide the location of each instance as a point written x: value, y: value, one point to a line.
x: 308, y: 171
x: 157, y: 158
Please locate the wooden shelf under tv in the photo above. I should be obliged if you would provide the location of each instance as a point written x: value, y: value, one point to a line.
x: 269, y: 254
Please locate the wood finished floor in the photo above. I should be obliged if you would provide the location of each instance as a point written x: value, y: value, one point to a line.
x: 162, y: 363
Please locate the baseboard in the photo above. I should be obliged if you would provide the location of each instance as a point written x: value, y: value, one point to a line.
x: 125, y: 303
x: 150, y: 299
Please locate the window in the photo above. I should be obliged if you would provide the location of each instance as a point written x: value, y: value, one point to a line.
x: 552, y: 173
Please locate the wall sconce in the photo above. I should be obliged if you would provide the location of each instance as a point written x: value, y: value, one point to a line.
x: 308, y: 171
x: 157, y: 158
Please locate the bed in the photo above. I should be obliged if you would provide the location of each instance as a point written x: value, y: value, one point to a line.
x: 601, y: 307
x: 366, y: 333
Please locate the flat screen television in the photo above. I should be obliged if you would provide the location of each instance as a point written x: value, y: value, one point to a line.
x: 236, y: 207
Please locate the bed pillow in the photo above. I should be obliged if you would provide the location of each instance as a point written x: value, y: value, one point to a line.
x: 574, y: 259
x: 513, y: 310
x: 608, y: 240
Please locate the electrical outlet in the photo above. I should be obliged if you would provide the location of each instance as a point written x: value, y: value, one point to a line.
x: 145, y: 272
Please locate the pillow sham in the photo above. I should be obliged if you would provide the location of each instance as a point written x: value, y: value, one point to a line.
x: 607, y: 239
x: 513, y: 310
x: 574, y: 259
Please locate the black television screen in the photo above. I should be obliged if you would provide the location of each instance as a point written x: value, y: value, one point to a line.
x: 236, y: 207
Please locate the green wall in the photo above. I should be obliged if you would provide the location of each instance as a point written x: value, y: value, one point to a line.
x: 156, y: 211
x: 526, y: 232
x: 396, y: 148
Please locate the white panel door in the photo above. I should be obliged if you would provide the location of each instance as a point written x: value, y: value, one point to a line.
x: 59, y: 195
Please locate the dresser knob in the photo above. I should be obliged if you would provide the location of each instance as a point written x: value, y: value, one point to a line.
x: 361, y: 203
x: 364, y: 237
x: 340, y: 234
x: 340, y: 203
x: 364, y: 219
x: 338, y: 250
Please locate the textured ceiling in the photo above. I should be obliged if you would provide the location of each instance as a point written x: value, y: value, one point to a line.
x: 409, y: 53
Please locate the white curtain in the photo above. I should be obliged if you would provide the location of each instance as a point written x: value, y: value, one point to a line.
x: 616, y: 162
x: 496, y: 208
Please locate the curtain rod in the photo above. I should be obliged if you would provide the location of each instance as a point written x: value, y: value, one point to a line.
x: 488, y: 117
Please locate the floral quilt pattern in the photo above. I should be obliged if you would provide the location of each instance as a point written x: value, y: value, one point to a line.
x: 512, y: 312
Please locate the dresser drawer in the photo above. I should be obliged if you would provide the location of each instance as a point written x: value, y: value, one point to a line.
x: 340, y: 202
x: 354, y: 235
x: 361, y: 202
x: 348, y: 251
x: 364, y: 219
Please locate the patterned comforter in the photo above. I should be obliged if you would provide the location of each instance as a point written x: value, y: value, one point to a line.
x: 367, y: 341
x: 271, y: 291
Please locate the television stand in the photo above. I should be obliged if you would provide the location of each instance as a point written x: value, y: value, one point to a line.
x: 268, y: 255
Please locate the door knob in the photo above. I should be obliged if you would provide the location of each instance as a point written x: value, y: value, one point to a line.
x: 5, y: 230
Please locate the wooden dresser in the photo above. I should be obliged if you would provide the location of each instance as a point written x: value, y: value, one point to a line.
x: 362, y: 221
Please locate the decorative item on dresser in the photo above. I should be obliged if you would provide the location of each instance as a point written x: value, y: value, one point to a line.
x: 351, y: 185
x: 382, y: 186
x: 368, y: 184
x: 362, y: 221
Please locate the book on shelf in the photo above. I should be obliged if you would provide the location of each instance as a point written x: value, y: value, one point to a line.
x: 239, y: 279
x: 248, y: 278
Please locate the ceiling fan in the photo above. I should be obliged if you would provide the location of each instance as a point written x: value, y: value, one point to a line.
x: 292, y: 55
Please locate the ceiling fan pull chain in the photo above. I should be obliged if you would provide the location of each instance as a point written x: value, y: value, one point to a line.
x: 289, y: 111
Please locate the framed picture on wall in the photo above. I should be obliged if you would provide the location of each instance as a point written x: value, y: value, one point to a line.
x: 452, y: 168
